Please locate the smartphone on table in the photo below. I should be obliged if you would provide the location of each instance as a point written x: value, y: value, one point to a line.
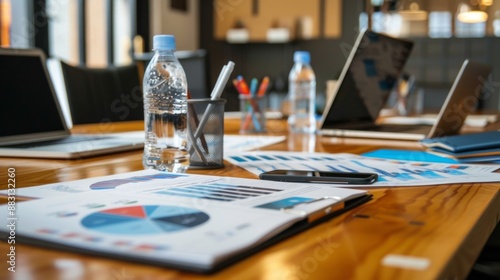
x: 325, y: 177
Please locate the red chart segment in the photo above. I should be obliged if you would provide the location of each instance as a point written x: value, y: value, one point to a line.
x: 135, y: 211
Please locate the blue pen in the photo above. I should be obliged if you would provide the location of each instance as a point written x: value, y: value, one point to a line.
x: 253, y: 91
x: 253, y: 87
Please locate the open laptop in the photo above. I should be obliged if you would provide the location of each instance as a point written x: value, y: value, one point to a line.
x: 32, y: 123
x: 371, y: 71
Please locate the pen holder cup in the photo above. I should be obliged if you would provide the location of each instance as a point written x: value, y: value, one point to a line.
x: 205, y: 133
x: 253, y: 119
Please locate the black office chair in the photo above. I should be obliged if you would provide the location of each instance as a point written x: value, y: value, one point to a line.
x: 487, y: 266
x: 103, y: 94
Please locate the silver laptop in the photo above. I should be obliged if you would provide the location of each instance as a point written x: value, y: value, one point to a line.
x: 32, y: 123
x: 370, y: 73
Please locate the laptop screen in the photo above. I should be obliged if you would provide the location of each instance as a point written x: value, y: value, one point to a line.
x: 370, y: 73
x: 30, y: 108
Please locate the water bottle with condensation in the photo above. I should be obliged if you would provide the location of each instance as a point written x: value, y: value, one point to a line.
x: 165, y: 109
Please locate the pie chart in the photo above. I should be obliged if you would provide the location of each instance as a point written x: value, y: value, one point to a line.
x: 144, y: 219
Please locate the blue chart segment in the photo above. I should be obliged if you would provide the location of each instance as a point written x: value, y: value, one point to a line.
x: 288, y: 202
x: 146, y: 219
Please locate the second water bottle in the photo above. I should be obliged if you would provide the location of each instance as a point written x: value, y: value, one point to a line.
x: 302, y: 95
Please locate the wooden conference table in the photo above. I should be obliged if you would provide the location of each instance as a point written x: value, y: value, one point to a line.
x: 433, y: 232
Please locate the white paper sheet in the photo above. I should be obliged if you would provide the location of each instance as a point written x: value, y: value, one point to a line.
x: 390, y: 172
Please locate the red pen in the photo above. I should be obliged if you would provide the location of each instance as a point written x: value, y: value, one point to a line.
x: 244, y: 89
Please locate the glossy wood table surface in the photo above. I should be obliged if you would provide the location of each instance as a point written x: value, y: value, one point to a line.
x: 438, y: 231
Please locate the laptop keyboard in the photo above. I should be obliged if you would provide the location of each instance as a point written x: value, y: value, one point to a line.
x: 75, y: 138
x: 400, y: 128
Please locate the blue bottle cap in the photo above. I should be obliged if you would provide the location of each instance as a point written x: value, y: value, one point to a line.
x: 302, y: 57
x: 164, y: 42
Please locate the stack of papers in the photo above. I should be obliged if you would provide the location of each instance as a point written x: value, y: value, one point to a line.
x: 467, y: 148
x: 191, y: 222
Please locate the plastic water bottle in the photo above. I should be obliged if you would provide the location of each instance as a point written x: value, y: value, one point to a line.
x: 165, y: 109
x: 302, y: 87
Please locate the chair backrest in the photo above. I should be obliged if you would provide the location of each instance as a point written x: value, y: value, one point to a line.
x: 103, y: 94
x: 194, y: 63
x: 195, y: 66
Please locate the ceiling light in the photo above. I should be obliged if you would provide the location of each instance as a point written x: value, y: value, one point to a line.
x: 466, y: 14
x: 411, y: 11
